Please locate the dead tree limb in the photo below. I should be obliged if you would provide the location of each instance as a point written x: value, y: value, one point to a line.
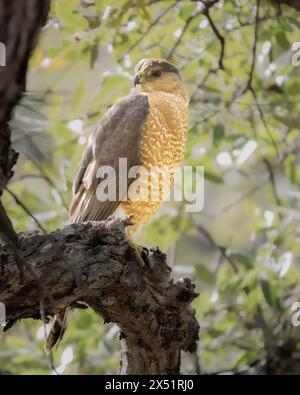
x: 94, y: 263
x: 20, y: 25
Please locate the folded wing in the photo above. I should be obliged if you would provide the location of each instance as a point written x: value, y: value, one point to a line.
x: 116, y: 136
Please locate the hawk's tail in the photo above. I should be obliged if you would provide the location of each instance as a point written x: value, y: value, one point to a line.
x: 58, y: 328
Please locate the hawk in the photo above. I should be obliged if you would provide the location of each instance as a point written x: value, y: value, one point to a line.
x: 148, y: 128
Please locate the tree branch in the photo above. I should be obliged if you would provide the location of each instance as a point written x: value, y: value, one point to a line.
x: 20, y: 24
x: 218, y: 35
x: 292, y: 3
x: 26, y: 209
x: 94, y: 263
x: 253, y: 63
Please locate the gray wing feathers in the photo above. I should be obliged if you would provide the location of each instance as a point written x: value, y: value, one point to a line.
x: 116, y: 136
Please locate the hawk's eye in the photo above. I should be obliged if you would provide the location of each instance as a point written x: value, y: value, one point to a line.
x: 156, y: 73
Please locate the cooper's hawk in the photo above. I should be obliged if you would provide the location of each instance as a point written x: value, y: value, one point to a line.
x: 148, y: 128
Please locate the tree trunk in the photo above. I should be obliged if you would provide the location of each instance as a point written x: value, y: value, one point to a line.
x: 20, y: 24
x: 94, y: 263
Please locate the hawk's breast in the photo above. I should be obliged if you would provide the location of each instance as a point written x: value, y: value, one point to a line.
x: 161, y: 151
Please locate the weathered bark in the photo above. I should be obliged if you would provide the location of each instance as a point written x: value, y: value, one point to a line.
x: 20, y: 24
x: 94, y: 263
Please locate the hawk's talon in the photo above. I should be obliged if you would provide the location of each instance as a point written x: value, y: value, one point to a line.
x: 138, y: 252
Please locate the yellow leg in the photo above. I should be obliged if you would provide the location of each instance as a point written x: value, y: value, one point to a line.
x: 138, y: 249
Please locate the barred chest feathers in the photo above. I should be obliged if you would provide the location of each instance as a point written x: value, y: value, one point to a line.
x: 162, y: 145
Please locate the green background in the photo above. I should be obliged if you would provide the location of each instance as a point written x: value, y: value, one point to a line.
x: 242, y: 250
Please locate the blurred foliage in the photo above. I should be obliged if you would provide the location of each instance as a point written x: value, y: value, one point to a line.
x: 243, y: 248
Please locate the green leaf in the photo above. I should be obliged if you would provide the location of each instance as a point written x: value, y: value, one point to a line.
x: 205, y: 275
x: 282, y: 40
x: 291, y: 170
x: 270, y: 295
x: 292, y: 87
x: 243, y: 260
x: 69, y: 16
x: 186, y: 11
x: 213, y: 177
x: 294, y: 21
x: 219, y: 133
x: 288, y: 120
x: 94, y: 51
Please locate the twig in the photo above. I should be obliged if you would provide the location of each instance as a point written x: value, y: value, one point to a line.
x: 273, y: 181
x: 184, y: 29
x: 259, y: 316
x: 207, y: 6
x: 249, y: 86
x: 201, y: 229
x: 26, y: 209
x: 218, y: 35
x: 249, y: 83
x: 141, y: 38
x: 243, y: 196
x: 262, y: 117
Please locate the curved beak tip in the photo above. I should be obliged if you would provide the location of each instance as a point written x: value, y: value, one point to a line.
x: 137, y: 80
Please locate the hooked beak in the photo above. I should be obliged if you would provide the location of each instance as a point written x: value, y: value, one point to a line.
x: 137, y: 80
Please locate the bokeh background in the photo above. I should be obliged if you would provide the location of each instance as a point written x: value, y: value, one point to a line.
x: 242, y: 250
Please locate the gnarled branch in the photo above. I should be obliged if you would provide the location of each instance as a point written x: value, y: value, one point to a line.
x: 95, y: 264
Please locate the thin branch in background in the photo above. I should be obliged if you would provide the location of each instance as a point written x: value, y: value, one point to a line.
x: 289, y: 150
x: 262, y: 117
x: 259, y: 315
x: 260, y: 19
x: 201, y: 84
x: 208, y: 3
x: 273, y: 183
x: 155, y: 22
x: 221, y: 39
x: 26, y: 176
x: 26, y: 209
x: 44, y: 177
x: 205, y: 11
x: 232, y: 204
x: 198, y: 369
x: 151, y: 2
x: 201, y: 229
x: 184, y: 30
x: 253, y: 63
x: 249, y: 86
x: 50, y: 182
x: 207, y: 6
x: 218, y: 35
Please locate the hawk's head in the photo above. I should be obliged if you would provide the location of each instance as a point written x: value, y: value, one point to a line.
x: 158, y: 75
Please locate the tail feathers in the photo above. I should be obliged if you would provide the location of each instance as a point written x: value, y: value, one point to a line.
x: 58, y: 328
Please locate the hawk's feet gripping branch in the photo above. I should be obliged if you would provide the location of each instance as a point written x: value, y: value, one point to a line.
x: 141, y: 253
